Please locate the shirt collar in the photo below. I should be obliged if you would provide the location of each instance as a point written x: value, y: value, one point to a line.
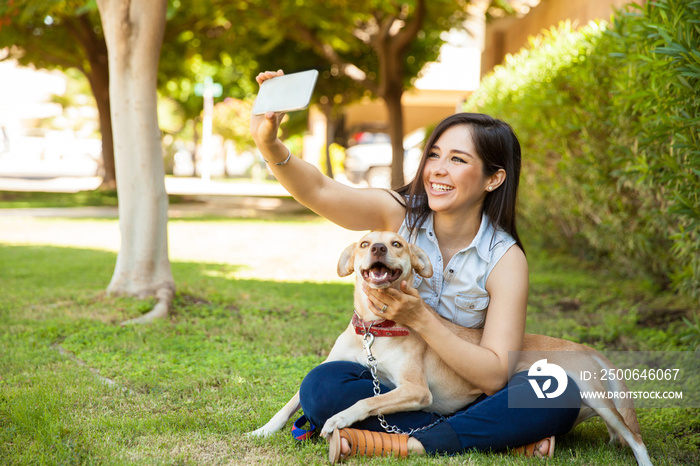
x: 481, y: 242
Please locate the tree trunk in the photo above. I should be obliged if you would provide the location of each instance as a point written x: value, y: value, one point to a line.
x: 330, y: 134
x: 134, y: 35
x: 99, y: 82
x: 95, y: 48
x: 391, y: 51
x: 195, y: 149
x: 391, y: 89
x: 395, y: 112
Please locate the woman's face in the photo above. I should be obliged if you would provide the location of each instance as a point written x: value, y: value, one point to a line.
x: 453, y: 175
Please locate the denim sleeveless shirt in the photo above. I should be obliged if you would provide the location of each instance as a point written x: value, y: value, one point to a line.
x: 457, y: 290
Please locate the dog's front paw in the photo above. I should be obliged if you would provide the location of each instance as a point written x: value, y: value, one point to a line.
x: 336, y: 422
x: 261, y: 432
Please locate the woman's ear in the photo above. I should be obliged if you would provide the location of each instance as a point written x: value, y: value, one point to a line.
x: 495, y: 180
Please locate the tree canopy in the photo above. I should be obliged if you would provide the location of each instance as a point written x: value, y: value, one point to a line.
x: 372, y: 48
x: 379, y: 44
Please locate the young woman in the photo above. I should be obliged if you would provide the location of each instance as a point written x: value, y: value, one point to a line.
x: 460, y: 209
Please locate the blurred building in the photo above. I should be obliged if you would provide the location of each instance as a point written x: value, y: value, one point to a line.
x: 508, y: 34
x: 29, y: 148
x: 467, y: 56
x: 443, y: 86
x: 25, y: 95
x: 439, y: 91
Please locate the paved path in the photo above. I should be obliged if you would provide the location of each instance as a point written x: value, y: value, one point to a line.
x: 266, y: 250
x: 173, y: 185
x: 273, y: 250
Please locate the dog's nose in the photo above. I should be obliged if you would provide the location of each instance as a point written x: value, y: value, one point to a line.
x: 378, y: 249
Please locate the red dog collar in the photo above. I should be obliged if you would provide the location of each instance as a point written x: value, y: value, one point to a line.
x: 385, y: 328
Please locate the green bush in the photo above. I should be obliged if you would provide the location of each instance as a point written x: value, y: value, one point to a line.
x: 608, y: 117
x: 661, y: 118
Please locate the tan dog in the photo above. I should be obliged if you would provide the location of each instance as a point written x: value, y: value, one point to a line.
x: 422, y: 380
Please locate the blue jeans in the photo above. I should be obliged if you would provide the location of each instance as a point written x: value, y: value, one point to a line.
x: 485, y: 424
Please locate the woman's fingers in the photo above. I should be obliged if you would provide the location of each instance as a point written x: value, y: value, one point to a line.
x: 409, y: 290
x: 378, y: 299
x: 403, y: 305
x: 265, y: 75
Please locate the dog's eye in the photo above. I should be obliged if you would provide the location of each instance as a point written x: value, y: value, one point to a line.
x: 396, y: 244
x: 364, y: 244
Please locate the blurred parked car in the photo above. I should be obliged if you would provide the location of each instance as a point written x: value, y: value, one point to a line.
x: 368, y: 159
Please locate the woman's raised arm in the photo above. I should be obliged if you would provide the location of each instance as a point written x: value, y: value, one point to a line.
x: 351, y: 208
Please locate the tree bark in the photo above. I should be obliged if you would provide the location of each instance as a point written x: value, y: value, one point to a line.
x: 392, y: 100
x: 134, y: 35
x: 109, y: 175
x: 391, y: 48
x: 99, y: 83
x: 98, y: 76
x: 327, y: 110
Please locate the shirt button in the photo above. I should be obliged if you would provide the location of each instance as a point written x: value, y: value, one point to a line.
x: 471, y: 306
x: 452, y: 271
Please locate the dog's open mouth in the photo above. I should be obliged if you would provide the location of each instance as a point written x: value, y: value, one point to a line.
x: 379, y: 274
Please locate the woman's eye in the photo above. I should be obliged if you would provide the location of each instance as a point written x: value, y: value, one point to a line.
x: 458, y: 160
x: 433, y: 155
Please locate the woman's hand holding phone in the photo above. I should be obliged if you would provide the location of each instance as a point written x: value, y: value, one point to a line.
x: 264, y: 127
x: 278, y: 94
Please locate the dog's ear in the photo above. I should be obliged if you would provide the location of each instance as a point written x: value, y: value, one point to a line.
x: 420, y: 261
x: 346, y: 263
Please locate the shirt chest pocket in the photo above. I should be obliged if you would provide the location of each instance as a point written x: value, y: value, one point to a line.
x: 471, y: 309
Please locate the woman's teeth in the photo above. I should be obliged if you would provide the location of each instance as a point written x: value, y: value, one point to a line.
x: 441, y: 187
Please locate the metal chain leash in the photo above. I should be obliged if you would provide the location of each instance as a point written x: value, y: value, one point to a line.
x: 367, y: 341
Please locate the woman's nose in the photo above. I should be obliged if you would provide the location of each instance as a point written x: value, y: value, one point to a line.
x: 438, y: 167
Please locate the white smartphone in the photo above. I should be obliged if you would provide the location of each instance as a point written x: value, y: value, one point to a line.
x: 286, y: 93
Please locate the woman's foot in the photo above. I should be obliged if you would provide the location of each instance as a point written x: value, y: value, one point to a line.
x: 542, y: 449
x: 348, y: 442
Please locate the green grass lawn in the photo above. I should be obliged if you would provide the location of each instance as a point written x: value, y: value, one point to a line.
x: 78, y: 388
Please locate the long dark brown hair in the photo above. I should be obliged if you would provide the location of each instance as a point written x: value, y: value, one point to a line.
x: 498, y: 148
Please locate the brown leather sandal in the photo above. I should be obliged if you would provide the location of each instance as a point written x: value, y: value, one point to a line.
x: 533, y: 449
x: 367, y: 443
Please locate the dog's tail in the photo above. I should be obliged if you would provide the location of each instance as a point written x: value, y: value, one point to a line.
x: 623, y: 404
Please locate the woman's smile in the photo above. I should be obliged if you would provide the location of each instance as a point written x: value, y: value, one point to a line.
x: 439, y: 187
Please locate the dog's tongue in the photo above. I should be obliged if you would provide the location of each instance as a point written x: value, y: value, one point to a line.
x: 380, y: 274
